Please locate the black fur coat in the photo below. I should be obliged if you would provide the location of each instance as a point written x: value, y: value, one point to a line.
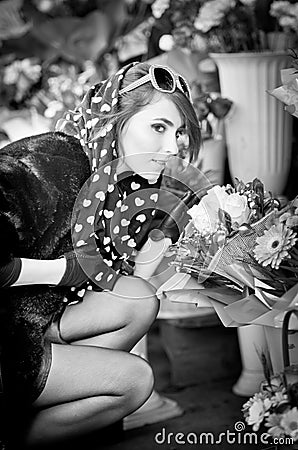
x: 40, y: 177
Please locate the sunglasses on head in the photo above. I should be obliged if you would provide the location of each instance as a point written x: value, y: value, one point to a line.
x: 162, y: 79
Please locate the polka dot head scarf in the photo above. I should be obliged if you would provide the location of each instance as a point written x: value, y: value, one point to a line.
x: 111, y: 214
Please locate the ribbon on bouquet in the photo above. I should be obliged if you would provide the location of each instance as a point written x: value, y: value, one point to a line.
x: 288, y: 92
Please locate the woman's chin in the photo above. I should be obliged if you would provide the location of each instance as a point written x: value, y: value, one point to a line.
x: 151, y: 177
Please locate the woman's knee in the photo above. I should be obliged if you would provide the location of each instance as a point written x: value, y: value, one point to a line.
x: 146, y: 305
x: 141, y: 304
x: 139, y: 383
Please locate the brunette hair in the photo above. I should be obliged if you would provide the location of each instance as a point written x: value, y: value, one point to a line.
x: 133, y: 101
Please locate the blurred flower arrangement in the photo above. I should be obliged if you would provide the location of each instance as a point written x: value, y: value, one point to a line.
x: 210, y: 108
x: 228, y: 25
x: 63, y: 86
x: 241, y: 246
x: 50, y: 89
x: 275, y: 407
x: 18, y: 81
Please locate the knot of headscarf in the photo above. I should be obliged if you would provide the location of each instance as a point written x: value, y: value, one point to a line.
x: 110, y: 216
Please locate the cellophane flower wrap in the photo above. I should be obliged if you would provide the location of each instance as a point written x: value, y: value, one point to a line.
x: 241, y: 247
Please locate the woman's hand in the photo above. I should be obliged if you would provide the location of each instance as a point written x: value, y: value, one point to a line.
x: 175, y: 222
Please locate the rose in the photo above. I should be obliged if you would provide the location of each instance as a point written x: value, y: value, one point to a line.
x: 236, y: 206
x: 205, y: 214
x: 201, y: 219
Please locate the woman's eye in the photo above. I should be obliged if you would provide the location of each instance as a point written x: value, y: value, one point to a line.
x: 159, y: 128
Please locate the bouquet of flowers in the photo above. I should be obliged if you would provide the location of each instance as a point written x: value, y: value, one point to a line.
x: 229, y: 25
x: 241, y: 246
x: 275, y: 407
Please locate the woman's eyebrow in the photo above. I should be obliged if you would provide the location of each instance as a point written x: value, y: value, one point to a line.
x: 167, y: 121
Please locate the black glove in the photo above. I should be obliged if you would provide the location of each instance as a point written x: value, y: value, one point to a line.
x: 10, y: 272
x: 74, y: 275
x: 173, y: 224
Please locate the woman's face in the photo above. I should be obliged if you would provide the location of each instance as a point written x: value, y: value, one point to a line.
x: 149, y: 138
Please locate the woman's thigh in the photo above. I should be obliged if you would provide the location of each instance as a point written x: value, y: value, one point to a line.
x: 79, y: 372
x: 107, y: 312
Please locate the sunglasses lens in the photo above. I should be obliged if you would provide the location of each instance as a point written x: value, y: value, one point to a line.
x: 184, y: 86
x: 164, y: 79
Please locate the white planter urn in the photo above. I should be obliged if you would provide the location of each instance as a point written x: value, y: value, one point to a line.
x: 259, y: 131
x: 252, y: 342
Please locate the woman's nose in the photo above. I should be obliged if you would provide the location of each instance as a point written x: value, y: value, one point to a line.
x: 171, y: 146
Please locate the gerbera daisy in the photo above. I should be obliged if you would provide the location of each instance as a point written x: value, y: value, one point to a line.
x: 274, y: 245
x: 257, y: 412
x: 289, y: 423
x: 273, y: 423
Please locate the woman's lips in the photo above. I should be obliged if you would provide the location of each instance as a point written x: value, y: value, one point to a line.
x: 160, y: 162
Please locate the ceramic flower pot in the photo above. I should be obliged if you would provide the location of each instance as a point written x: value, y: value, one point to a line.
x: 251, y: 341
x: 259, y: 132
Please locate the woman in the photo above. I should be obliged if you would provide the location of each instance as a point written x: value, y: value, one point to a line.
x: 129, y: 126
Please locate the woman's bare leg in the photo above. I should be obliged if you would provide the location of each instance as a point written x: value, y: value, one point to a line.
x: 88, y: 388
x: 117, y: 319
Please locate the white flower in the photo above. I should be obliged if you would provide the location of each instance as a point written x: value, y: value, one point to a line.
x: 44, y: 5
x: 289, y: 423
x: 286, y: 13
x: 236, y: 206
x: 159, y: 7
x: 273, y: 423
x: 166, y: 42
x: 25, y: 68
x: 257, y: 411
x: 212, y: 13
x: 278, y: 8
x: 289, y: 22
x: 205, y: 214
